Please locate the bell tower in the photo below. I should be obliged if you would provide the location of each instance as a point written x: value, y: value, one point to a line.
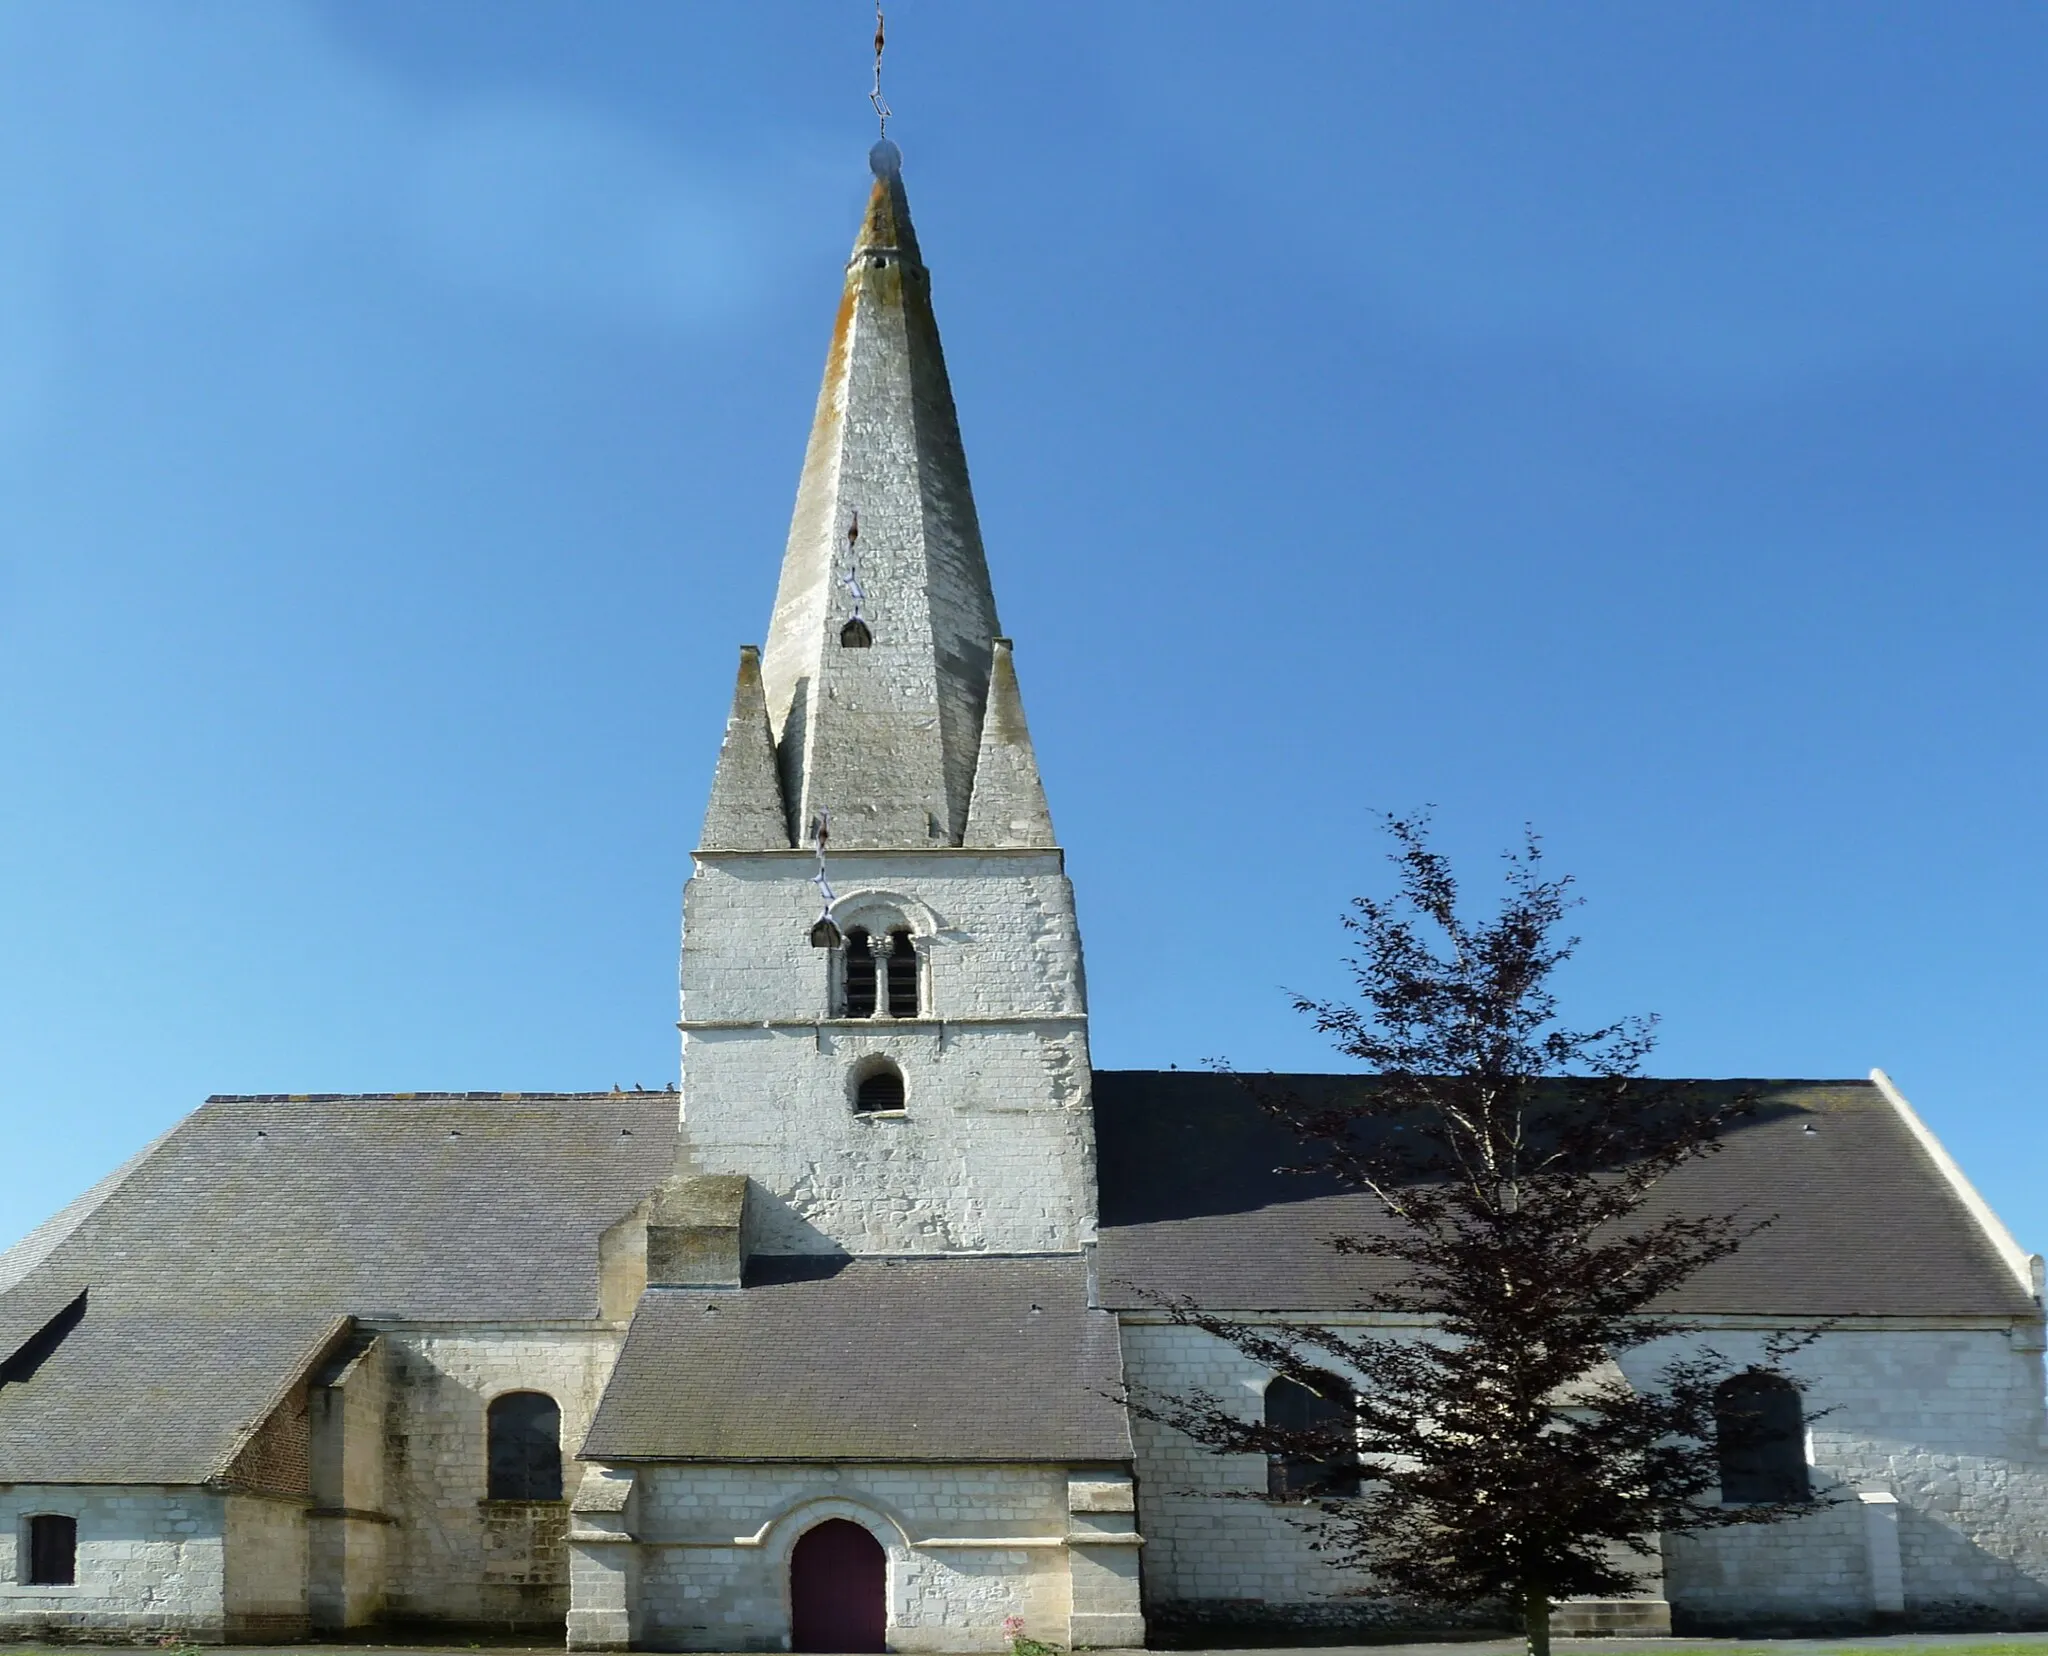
x: 907, y: 1073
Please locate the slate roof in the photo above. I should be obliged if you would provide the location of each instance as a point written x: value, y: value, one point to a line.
x: 975, y: 1358
x: 1865, y: 1224
x: 218, y: 1265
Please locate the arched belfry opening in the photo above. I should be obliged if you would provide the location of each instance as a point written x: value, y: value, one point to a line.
x: 858, y: 975
x: 903, y: 976
x: 880, y: 972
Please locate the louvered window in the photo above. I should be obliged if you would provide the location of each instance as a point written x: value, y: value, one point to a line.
x: 902, y: 975
x: 860, y: 975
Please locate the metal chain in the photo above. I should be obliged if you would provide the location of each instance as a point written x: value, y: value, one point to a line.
x: 821, y: 830
x: 851, y: 580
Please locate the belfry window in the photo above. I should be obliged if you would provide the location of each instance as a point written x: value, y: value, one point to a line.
x: 52, y: 1550
x: 1318, y: 1419
x: 1760, y: 1438
x: 880, y: 973
x: 902, y: 975
x: 525, y: 1431
x: 881, y: 1088
x: 860, y: 974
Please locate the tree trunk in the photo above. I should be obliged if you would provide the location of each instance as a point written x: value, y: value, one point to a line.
x: 1536, y: 1621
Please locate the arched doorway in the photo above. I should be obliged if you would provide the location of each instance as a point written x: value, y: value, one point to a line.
x: 838, y: 1589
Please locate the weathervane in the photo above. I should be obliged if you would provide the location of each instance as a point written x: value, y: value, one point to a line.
x: 882, y: 110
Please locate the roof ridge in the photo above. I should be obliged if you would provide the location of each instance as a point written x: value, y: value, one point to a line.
x: 432, y: 1097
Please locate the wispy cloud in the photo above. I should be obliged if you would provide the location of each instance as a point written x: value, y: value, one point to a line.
x: 147, y: 149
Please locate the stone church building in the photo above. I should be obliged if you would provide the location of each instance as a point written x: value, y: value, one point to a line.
x: 822, y: 1351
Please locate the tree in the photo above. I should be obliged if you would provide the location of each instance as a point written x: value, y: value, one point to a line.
x: 1497, y: 1454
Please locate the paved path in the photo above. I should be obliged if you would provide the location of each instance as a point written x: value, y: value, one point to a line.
x: 1896, y: 1644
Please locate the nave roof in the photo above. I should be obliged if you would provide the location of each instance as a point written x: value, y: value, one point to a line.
x: 1194, y: 1203
x: 217, y: 1265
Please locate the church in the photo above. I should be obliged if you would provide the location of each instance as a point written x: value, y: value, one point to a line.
x: 823, y: 1348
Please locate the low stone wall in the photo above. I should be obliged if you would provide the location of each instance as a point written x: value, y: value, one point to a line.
x: 151, y: 1564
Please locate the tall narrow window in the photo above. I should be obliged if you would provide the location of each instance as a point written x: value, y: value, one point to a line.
x: 1327, y: 1463
x: 902, y: 975
x: 1760, y: 1435
x: 860, y: 974
x: 52, y: 1550
x: 525, y: 1430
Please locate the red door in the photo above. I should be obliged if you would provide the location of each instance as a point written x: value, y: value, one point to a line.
x: 838, y: 1589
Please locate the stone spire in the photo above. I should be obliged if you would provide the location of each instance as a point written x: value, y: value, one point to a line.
x: 885, y: 736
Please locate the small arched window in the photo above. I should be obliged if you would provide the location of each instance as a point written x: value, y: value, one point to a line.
x: 855, y: 635
x: 52, y: 1550
x: 860, y: 974
x: 525, y: 1430
x: 1319, y: 1418
x: 1760, y: 1437
x: 881, y: 1088
x: 902, y: 975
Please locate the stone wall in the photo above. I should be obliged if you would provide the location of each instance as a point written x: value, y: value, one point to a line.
x: 1946, y: 1422
x: 1211, y: 1555
x: 454, y: 1556
x: 966, y: 1546
x: 993, y: 1151
x: 1941, y: 1428
x: 264, y: 1588
x: 151, y: 1564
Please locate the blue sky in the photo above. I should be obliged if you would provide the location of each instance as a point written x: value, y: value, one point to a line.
x: 1622, y: 419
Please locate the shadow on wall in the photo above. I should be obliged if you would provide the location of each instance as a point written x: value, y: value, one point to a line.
x: 1813, y: 1577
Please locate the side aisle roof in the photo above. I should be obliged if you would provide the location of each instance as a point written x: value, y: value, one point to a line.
x: 1863, y: 1222
x: 219, y: 1262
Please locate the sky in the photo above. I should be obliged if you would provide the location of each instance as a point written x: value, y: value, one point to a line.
x: 1626, y: 421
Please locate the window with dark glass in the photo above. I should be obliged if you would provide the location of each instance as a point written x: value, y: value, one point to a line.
x: 880, y: 1089
x: 902, y: 975
x: 1760, y: 1436
x: 525, y: 1430
x: 52, y: 1550
x: 1327, y: 1463
x: 860, y: 974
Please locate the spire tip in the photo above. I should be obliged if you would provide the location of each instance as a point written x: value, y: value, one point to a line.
x: 885, y: 160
